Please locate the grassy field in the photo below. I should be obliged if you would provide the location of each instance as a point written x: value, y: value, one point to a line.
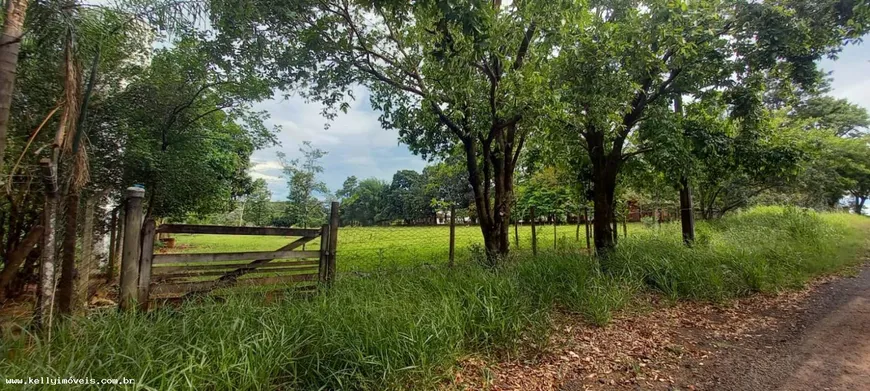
x: 372, y: 248
x: 407, y: 330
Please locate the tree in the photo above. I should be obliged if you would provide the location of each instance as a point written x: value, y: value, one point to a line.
x: 445, y: 75
x: 852, y: 164
x: 546, y: 191
x: 365, y: 203
x: 407, y: 199
x: 838, y: 115
x: 187, y: 131
x: 303, y: 208
x: 10, y: 43
x: 616, y: 61
x: 257, y: 209
x: 447, y: 182
x: 347, y: 188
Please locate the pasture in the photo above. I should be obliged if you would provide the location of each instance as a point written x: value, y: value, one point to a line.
x: 370, y: 248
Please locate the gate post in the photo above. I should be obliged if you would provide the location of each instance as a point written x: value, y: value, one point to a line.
x: 333, y: 241
x: 130, y: 255
x: 324, y: 252
x: 145, y: 263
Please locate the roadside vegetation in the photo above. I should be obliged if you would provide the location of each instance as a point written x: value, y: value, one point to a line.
x: 404, y: 328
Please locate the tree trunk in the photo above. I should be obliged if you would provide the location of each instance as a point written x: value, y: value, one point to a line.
x: 16, y: 258
x: 494, y: 213
x: 66, y: 285
x: 687, y: 216
x: 87, y: 263
x: 604, y: 170
x: 859, y: 204
x: 10, y: 43
x: 45, y: 296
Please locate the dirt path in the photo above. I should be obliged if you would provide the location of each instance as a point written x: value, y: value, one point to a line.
x: 825, y: 347
x: 814, y: 339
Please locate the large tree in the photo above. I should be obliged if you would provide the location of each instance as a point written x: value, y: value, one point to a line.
x: 186, y: 131
x: 447, y: 75
x: 617, y: 60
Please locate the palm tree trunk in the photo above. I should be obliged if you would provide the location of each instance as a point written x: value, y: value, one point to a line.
x: 10, y: 43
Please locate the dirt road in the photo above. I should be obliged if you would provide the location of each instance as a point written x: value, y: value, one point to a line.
x: 814, y: 339
x: 826, y: 346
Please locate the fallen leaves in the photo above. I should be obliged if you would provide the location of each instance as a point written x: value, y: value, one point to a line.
x: 638, y: 350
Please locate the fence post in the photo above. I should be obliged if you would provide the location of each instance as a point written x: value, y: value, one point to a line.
x: 130, y: 256
x: 113, y: 237
x: 119, y: 241
x: 516, y: 232
x: 534, y: 234
x: 333, y: 241
x: 555, y: 234
x: 45, y: 298
x: 615, y: 226
x: 452, y: 232
x: 624, y: 226
x: 586, y: 220
x: 324, y: 252
x: 148, y: 232
x: 577, y: 234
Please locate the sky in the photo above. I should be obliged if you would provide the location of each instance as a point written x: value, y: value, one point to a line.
x: 357, y: 145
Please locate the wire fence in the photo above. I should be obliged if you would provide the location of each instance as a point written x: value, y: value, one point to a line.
x: 368, y: 248
x: 371, y: 248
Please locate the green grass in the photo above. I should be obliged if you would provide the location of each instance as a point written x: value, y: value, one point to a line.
x: 373, y: 248
x: 400, y: 329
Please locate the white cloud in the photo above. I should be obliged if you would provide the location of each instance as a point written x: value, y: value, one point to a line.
x: 355, y: 141
x: 266, y: 177
x: 269, y: 165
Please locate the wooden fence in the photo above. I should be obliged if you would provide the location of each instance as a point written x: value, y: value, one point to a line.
x: 146, y: 275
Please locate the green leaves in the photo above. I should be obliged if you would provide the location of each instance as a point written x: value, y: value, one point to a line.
x: 303, y: 207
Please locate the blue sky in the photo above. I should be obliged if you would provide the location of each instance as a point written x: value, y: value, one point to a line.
x: 357, y: 145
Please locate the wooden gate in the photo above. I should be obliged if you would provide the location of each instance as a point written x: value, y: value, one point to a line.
x: 165, y: 276
x: 174, y: 275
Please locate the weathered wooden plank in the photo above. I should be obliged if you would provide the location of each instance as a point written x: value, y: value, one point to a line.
x: 230, y: 277
x: 333, y: 240
x: 159, y: 270
x: 223, y: 257
x: 229, y: 230
x: 302, y: 287
x: 190, y: 287
x: 324, y: 251
x: 257, y: 271
x: 145, y: 261
x: 132, y: 241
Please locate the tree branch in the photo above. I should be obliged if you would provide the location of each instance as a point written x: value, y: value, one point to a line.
x: 524, y: 46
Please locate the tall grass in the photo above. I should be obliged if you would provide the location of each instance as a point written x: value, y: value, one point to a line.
x: 764, y: 249
x: 406, y: 329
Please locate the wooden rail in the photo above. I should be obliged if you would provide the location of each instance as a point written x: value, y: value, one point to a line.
x: 227, y: 230
x: 151, y: 275
x: 223, y: 257
x: 164, y: 290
